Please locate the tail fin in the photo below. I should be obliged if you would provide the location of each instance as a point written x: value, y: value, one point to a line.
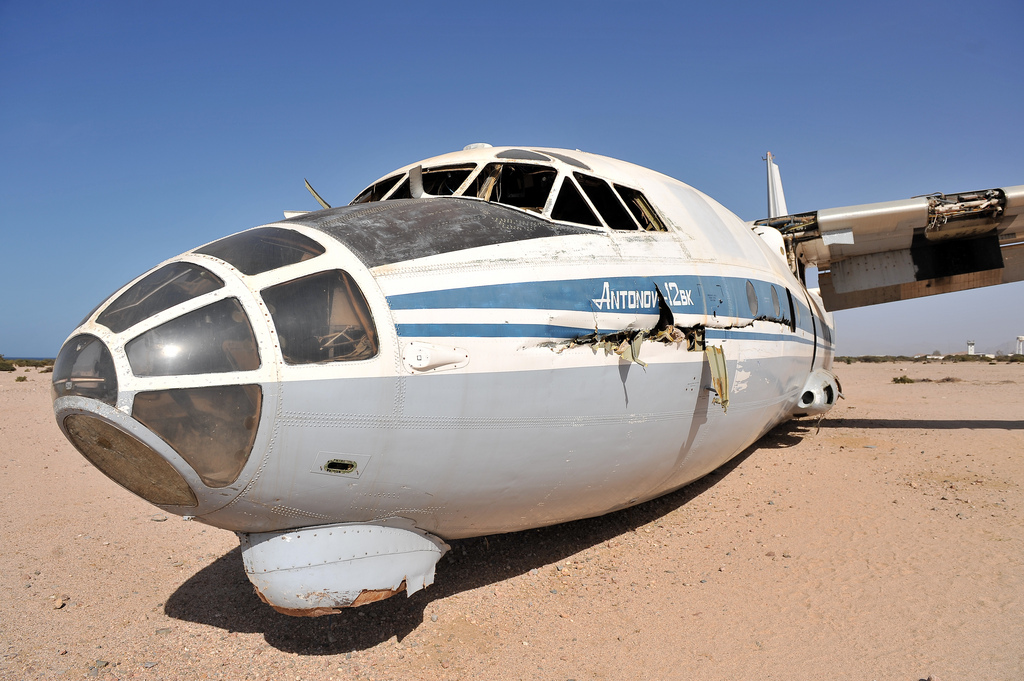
x: 776, y: 199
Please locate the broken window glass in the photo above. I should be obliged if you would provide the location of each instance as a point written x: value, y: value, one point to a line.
x: 514, y: 184
x: 606, y: 202
x: 376, y: 191
x: 446, y: 180
x: 402, y: 192
x: 260, y: 250
x: 322, y: 318
x: 570, y: 206
x: 790, y: 311
x: 641, y: 209
x: 776, y: 306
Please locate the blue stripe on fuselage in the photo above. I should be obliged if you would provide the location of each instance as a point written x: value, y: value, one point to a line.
x: 721, y: 296
x: 496, y: 330
x: 579, y: 295
x: 716, y: 296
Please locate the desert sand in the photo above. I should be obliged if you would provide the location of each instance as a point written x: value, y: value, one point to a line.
x: 884, y: 542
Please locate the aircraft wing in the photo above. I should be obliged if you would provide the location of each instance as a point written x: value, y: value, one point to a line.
x: 895, y: 250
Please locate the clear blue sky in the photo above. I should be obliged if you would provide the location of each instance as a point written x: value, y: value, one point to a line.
x: 130, y: 131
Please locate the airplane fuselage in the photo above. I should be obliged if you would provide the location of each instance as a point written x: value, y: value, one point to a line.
x: 450, y: 365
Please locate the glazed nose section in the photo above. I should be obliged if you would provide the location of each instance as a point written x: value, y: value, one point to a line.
x: 211, y: 428
x: 84, y: 373
x: 163, y: 391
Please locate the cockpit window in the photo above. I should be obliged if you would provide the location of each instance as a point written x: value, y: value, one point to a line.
x: 444, y: 181
x: 264, y: 249
x: 213, y: 339
x: 606, y: 202
x: 514, y: 184
x: 156, y: 292
x: 570, y: 206
x: 376, y: 191
x: 322, y: 318
x: 641, y: 209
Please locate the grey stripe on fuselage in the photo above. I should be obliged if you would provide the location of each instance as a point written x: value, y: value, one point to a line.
x: 504, y: 449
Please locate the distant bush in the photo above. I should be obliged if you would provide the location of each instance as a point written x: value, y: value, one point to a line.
x: 902, y: 379
x: 10, y: 364
x: 965, y: 358
x: 32, y: 362
x: 881, y: 359
x: 20, y: 379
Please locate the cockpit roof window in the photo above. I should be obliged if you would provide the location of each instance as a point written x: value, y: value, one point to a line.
x: 606, y: 202
x: 445, y: 180
x: 522, y: 155
x: 322, y: 318
x: 158, y: 291
x: 571, y: 207
x: 264, y: 249
x: 213, y: 339
x: 641, y: 209
x: 569, y: 159
x: 377, y: 190
x: 403, y: 191
x: 521, y: 185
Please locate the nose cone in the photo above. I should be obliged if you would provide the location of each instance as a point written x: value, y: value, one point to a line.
x: 174, y: 386
x: 85, y: 385
x: 162, y: 390
x: 128, y: 461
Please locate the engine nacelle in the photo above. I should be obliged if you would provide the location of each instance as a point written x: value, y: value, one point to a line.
x: 820, y: 393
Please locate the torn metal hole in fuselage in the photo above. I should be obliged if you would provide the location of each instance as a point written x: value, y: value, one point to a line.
x: 628, y: 342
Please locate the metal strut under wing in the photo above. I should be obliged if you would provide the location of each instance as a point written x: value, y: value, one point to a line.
x: 881, y: 252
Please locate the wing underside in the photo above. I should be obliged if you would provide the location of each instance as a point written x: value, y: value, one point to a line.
x: 881, y: 252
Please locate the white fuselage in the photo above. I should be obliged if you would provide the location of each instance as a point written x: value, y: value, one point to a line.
x: 494, y: 399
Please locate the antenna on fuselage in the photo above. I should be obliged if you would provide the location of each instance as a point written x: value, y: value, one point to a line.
x: 316, y: 196
x: 776, y: 197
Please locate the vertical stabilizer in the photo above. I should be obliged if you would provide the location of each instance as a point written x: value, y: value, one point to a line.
x: 776, y: 199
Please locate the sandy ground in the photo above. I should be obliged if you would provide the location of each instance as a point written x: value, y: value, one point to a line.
x: 886, y: 545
